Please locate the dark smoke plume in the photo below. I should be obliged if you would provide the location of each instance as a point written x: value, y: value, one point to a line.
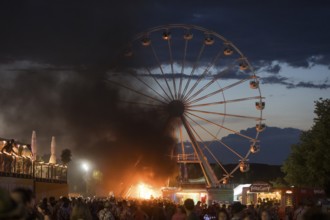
x: 54, y: 81
x: 83, y: 111
x: 114, y: 133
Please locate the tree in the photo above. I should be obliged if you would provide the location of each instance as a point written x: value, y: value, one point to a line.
x: 308, y: 164
x: 66, y: 156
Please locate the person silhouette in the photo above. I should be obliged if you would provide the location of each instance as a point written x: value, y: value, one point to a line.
x: 8, y: 152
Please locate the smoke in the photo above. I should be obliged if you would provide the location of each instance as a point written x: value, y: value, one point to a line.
x: 117, y: 134
x: 55, y: 81
x: 85, y: 114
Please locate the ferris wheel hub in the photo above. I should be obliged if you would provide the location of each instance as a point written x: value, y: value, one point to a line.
x: 176, y: 108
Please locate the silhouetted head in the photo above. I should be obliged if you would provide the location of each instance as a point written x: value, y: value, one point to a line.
x: 189, y: 204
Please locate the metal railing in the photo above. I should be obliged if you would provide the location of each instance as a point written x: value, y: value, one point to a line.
x: 187, y: 158
x: 24, y: 167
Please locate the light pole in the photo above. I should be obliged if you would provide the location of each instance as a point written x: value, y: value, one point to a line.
x: 85, y: 167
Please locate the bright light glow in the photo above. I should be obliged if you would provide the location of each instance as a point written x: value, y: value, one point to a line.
x: 239, y: 189
x: 85, y: 167
x: 196, y: 196
x: 146, y: 192
x: 203, y: 194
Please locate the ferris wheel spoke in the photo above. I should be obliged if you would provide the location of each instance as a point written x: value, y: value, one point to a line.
x: 208, y: 149
x: 147, y: 85
x: 215, y: 78
x: 161, y: 69
x: 136, y: 91
x: 221, y: 126
x: 225, y: 114
x: 149, y: 74
x: 222, y: 143
x: 193, y: 70
x: 215, y: 138
x: 183, y: 66
x: 202, y: 76
x: 158, y: 83
x: 172, y: 69
x: 226, y: 101
x: 217, y: 91
x: 141, y: 103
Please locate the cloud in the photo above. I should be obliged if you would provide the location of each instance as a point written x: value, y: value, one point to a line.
x: 90, y: 33
x: 290, y: 85
x: 274, y: 80
x: 274, y: 69
x: 311, y: 85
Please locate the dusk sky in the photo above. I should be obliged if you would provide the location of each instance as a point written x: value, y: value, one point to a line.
x: 54, y: 57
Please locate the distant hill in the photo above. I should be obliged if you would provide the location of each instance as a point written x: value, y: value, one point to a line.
x: 264, y: 166
x: 275, y: 146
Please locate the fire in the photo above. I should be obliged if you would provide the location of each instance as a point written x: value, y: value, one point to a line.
x: 147, y: 191
x: 144, y: 191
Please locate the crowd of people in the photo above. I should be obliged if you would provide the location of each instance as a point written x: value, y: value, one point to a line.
x: 20, y: 204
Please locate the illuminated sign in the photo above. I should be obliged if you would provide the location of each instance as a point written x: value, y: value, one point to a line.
x: 260, y: 187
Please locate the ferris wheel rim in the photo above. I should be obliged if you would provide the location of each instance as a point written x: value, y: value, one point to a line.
x: 189, y: 100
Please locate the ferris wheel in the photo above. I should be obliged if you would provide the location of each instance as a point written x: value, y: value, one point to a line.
x: 202, y: 82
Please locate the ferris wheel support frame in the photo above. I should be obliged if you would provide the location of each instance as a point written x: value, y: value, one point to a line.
x: 210, y: 177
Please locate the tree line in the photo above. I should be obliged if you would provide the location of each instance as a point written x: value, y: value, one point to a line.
x: 309, y: 161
